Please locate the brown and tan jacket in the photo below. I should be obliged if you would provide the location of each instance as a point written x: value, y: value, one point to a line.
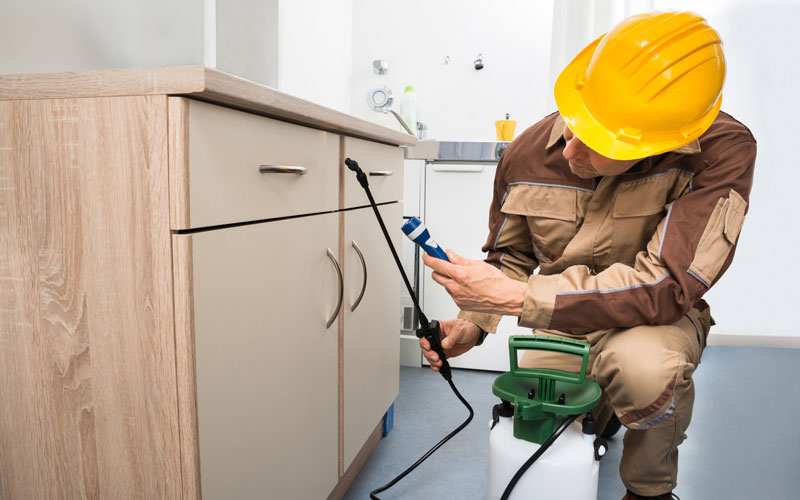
x: 621, y: 251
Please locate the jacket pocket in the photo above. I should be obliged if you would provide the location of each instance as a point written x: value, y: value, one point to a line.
x: 551, y: 214
x: 718, y: 238
x: 541, y: 201
x: 650, y: 195
x: 639, y: 207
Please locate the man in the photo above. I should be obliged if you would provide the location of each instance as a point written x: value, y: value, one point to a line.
x: 629, y: 200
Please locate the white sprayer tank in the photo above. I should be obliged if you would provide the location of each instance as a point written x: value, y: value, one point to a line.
x: 566, y: 471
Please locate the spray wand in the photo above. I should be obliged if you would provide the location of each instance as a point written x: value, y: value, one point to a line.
x: 430, y: 329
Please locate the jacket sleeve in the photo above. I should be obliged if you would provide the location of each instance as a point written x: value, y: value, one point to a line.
x: 509, y: 248
x: 690, y: 250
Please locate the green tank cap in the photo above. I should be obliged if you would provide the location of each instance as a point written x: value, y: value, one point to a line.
x: 409, y: 88
x: 536, y: 392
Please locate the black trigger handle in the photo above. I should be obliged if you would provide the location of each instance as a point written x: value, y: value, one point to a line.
x: 433, y: 334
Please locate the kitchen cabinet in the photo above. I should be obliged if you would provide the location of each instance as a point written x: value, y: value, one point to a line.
x: 176, y: 278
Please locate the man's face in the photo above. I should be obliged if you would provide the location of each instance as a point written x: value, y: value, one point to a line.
x: 587, y: 163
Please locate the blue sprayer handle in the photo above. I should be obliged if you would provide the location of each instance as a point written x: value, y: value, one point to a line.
x: 418, y: 233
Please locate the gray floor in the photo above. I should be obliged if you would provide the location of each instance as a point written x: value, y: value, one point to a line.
x: 743, y: 444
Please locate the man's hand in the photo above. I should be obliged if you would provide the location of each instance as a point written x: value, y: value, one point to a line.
x: 477, y: 286
x: 458, y: 337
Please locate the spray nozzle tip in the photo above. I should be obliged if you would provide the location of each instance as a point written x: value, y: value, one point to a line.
x: 352, y: 164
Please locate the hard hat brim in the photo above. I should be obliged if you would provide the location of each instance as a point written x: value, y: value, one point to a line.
x: 600, y: 138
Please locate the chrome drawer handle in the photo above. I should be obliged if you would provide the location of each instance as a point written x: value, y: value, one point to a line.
x: 281, y: 169
x: 341, y: 288
x: 458, y: 168
x: 382, y: 173
x: 364, y: 285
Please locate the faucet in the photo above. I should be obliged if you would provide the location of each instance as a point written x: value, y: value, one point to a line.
x: 402, y: 122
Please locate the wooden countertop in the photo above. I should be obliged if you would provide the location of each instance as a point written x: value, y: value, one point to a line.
x: 198, y: 82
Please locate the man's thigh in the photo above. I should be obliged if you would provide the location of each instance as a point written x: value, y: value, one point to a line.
x: 638, y: 368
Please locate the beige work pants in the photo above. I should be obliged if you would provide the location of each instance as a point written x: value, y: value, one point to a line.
x: 646, y: 376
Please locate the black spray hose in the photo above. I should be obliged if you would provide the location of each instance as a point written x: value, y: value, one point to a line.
x: 372, y: 494
x: 538, y: 453
x: 430, y: 329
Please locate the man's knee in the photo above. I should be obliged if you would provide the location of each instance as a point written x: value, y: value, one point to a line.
x: 641, y: 370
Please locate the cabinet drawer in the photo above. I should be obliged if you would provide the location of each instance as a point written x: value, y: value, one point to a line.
x: 216, y: 156
x: 383, y: 164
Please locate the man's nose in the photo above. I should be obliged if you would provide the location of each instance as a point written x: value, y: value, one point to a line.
x: 574, y: 149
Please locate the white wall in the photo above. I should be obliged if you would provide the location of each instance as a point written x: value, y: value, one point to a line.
x: 759, y: 293
x: 576, y: 23
x: 246, y: 39
x: 315, y: 51
x: 455, y: 101
x: 48, y: 36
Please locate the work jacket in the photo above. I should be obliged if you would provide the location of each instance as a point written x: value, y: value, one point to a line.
x: 617, y: 251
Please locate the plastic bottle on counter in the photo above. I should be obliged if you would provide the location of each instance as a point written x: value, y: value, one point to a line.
x: 409, y: 108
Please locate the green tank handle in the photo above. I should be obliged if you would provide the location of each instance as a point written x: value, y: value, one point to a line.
x: 553, y: 344
x: 538, y: 411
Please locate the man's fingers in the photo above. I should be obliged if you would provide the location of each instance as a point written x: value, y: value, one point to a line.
x: 438, y: 265
x: 433, y: 359
x: 440, y: 278
x: 455, y: 258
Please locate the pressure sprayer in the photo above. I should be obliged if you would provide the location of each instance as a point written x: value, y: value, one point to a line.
x: 537, y: 413
x: 528, y: 420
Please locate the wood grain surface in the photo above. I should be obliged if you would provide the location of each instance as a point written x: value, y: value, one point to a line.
x: 103, y: 83
x: 201, y: 83
x: 178, y: 118
x: 87, y: 360
x: 361, y: 459
x: 185, y: 365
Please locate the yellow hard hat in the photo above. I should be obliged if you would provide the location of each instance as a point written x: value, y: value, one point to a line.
x: 650, y: 85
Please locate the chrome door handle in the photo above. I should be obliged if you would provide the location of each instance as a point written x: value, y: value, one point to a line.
x: 282, y: 169
x: 364, y: 285
x: 382, y: 173
x: 341, y: 288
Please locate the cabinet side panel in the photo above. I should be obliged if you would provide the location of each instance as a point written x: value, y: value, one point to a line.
x: 178, y: 162
x: 185, y: 364
x: 87, y: 361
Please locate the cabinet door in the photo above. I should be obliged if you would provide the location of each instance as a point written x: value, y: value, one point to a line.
x: 372, y: 330
x: 457, y: 199
x: 267, y: 391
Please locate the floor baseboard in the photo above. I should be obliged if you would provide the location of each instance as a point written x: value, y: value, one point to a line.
x: 744, y: 340
x: 410, y: 354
